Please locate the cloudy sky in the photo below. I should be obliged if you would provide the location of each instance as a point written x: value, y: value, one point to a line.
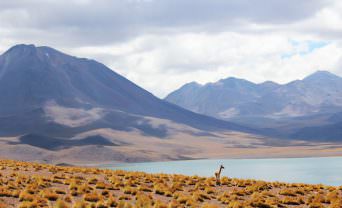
x: 163, y: 44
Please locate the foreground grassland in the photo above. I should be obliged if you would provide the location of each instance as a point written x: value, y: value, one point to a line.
x: 26, y: 184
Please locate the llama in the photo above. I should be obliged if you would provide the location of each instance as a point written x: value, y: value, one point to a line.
x: 218, y: 175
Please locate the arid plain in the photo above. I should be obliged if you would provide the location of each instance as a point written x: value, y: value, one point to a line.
x: 134, y: 146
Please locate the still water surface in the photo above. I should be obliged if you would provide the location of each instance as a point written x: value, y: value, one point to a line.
x: 325, y: 170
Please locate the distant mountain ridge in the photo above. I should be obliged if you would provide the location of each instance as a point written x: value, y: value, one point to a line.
x: 44, y: 91
x: 249, y: 103
x: 58, y: 108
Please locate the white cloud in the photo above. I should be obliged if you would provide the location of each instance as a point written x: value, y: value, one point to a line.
x: 163, y: 63
x: 161, y: 45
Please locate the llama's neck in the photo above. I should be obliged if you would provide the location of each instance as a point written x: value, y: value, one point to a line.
x: 219, y: 172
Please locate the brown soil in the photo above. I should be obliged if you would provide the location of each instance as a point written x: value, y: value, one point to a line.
x: 25, y: 184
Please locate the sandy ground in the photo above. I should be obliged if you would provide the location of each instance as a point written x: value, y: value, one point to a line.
x: 185, y: 143
x: 26, y: 184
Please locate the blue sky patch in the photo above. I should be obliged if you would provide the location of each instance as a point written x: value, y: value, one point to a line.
x: 311, y: 46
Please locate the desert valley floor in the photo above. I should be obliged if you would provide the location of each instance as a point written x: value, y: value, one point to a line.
x: 143, y: 148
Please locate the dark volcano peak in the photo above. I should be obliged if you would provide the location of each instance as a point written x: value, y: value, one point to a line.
x: 31, y: 77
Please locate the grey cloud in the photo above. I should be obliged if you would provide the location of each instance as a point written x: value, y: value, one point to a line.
x: 104, y: 21
x: 144, y: 35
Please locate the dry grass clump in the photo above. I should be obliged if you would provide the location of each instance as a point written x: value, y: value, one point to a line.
x: 92, y: 197
x: 100, y: 185
x: 61, y: 204
x: 80, y: 204
x: 293, y: 200
x: 145, y: 188
x: 130, y: 190
x: 27, y: 204
x: 24, y: 184
x: 143, y: 200
x: 26, y: 196
x: 50, y: 195
x: 288, y: 192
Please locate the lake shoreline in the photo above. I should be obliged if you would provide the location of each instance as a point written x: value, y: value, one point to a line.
x: 310, y: 170
x: 107, y: 163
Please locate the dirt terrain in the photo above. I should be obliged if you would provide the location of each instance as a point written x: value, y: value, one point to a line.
x: 183, y: 143
x: 25, y: 184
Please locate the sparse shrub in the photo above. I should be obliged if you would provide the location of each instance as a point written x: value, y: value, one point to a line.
x: 28, y: 204
x: 209, y: 190
x: 111, y: 202
x: 50, y: 195
x: 145, y: 188
x: 235, y: 204
x: 143, y: 200
x: 100, y: 185
x: 293, y: 200
x: 101, y: 204
x: 61, y: 204
x: 68, y: 199
x: 92, y: 197
x: 206, y: 205
x: 182, y: 199
x: 60, y: 191
x: 125, y: 197
x: 80, y: 204
x: 92, y: 181
x: 288, y: 192
x: 129, y: 190
x: 24, y: 196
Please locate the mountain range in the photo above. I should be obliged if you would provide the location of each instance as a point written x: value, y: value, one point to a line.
x: 58, y: 108
x: 307, y: 109
x: 51, y: 101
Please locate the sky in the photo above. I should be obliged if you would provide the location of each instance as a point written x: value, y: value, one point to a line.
x: 162, y: 44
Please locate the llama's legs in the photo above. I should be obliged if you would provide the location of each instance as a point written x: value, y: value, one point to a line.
x: 218, y: 181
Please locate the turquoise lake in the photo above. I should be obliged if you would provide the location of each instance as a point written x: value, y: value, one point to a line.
x: 324, y: 170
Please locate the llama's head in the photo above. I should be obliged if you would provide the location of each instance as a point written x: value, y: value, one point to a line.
x: 222, y: 166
